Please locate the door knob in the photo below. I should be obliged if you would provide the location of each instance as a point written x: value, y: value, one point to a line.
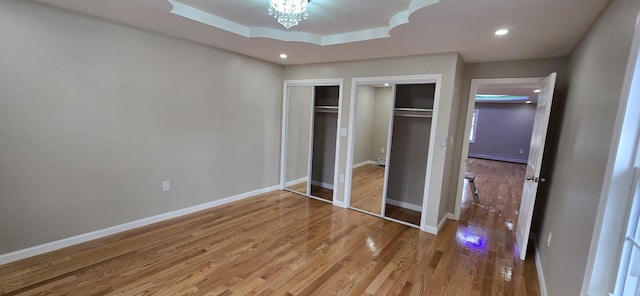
x: 541, y: 180
x: 528, y: 178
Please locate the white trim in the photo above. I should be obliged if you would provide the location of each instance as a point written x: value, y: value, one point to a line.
x: 285, y: 97
x: 338, y: 203
x: 448, y: 216
x: 85, y: 237
x: 404, y: 204
x: 541, y: 280
x: 322, y: 184
x: 606, y: 227
x: 381, y: 32
x: 366, y: 162
x: 336, y: 166
x: 498, y: 158
x: 296, y: 182
x: 433, y: 143
x: 401, y: 79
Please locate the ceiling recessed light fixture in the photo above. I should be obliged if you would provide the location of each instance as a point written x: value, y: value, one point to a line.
x: 386, y: 84
x: 289, y: 12
x: 528, y: 102
x: 537, y: 91
x: 283, y: 56
x: 502, y: 32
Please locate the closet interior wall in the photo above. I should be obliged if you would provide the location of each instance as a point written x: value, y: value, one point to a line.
x: 409, y: 149
x: 325, y: 128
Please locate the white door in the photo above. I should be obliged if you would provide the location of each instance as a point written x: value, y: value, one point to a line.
x: 536, y: 150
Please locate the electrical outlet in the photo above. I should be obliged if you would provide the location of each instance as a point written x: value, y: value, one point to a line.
x: 549, y: 239
x: 382, y: 150
x: 521, y: 151
x: 166, y: 186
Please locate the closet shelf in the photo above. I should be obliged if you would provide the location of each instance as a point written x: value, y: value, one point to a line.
x: 327, y: 109
x: 413, y: 112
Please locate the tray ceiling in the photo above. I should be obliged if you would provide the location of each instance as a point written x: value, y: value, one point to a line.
x: 362, y: 29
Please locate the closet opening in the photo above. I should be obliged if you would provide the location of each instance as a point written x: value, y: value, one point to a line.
x: 390, y: 147
x: 311, y: 120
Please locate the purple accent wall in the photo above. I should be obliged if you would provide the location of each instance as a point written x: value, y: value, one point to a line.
x: 503, y: 130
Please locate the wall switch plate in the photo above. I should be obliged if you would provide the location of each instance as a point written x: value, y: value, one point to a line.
x: 549, y: 239
x: 343, y: 132
x: 166, y: 186
x: 521, y: 151
x: 382, y: 150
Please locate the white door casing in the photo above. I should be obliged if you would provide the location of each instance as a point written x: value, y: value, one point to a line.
x: 536, y: 151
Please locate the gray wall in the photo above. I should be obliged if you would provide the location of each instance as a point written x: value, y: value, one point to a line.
x: 299, y: 116
x: 597, y: 68
x: 95, y: 115
x: 502, y: 131
x: 364, y: 123
x: 324, y: 147
x: 381, y: 118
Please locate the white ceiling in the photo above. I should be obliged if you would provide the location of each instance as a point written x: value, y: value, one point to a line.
x: 538, y: 28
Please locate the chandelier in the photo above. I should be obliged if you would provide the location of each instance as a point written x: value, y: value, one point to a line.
x: 289, y: 12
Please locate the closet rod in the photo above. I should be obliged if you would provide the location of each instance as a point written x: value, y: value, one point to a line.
x: 413, y: 115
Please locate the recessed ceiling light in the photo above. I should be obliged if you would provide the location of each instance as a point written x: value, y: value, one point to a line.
x: 386, y: 84
x: 502, y: 32
x: 528, y: 102
x: 283, y: 56
x: 537, y: 91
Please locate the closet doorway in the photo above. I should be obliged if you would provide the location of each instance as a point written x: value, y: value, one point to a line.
x: 390, y: 146
x: 310, y: 141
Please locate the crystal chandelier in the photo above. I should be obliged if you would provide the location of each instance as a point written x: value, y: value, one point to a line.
x: 289, y: 12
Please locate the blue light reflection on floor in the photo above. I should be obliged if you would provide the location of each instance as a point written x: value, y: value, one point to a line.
x: 471, y: 239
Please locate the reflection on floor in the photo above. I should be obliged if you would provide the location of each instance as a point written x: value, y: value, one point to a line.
x: 316, y: 191
x: 402, y: 214
x: 321, y: 192
x: 366, y: 194
x: 366, y: 188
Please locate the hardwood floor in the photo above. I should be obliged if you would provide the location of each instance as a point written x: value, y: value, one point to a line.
x: 316, y: 191
x: 281, y: 243
x: 366, y: 194
x: 366, y: 188
x: 402, y: 214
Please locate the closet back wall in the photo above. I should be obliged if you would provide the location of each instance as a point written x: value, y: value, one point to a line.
x: 95, y: 115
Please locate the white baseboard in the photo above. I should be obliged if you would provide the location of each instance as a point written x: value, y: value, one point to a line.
x: 404, y: 204
x: 78, y: 239
x: 499, y: 158
x: 341, y: 204
x: 296, y: 182
x: 322, y: 184
x: 446, y: 217
x: 543, y: 283
x: 435, y: 230
x: 365, y: 163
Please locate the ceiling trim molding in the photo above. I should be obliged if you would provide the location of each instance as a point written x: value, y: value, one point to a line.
x: 201, y: 16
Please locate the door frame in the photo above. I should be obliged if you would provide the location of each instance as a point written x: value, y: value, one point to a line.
x: 283, y: 141
x: 399, y: 79
x: 475, y: 83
